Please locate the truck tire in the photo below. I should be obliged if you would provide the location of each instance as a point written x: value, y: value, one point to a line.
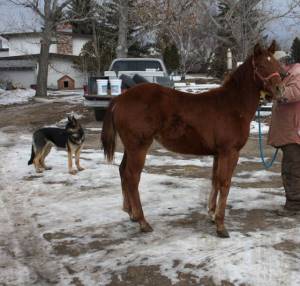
x: 99, y: 114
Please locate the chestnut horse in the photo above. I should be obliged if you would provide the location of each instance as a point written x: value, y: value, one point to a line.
x: 214, y: 123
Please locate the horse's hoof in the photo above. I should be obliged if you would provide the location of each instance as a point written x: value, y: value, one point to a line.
x: 48, y: 168
x: 72, y: 172
x: 146, y: 227
x: 80, y: 169
x: 223, y: 233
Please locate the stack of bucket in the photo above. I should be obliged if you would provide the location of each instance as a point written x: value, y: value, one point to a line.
x: 115, y: 86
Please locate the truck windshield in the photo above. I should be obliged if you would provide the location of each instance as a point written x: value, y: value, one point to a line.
x: 136, y: 65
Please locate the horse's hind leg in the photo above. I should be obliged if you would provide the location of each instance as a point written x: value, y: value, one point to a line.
x: 126, y: 203
x: 134, y: 164
x: 226, y: 165
x: 212, y: 201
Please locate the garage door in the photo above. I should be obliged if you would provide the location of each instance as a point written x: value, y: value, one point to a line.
x: 19, y: 78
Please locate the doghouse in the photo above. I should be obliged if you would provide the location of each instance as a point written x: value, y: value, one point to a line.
x: 66, y: 82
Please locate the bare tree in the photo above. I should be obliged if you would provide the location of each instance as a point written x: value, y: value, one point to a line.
x: 122, y: 47
x: 244, y: 22
x: 181, y: 22
x: 52, y: 13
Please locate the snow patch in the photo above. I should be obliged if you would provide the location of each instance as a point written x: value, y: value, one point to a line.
x: 86, y: 208
x: 254, y: 128
x: 16, y: 96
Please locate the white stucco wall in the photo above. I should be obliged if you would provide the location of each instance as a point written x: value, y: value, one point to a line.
x: 26, y: 45
x: 78, y: 43
x: 61, y: 66
x: 58, y: 67
x: 30, y: 44
x: 22, y: 79
x: 3, y: 54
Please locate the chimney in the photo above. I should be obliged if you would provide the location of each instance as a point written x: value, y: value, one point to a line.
x: 64, y: 39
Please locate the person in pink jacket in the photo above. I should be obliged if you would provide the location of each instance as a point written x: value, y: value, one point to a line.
x: 284, y: 133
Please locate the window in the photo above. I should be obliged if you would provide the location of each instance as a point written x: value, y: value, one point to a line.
x: 136, y: 65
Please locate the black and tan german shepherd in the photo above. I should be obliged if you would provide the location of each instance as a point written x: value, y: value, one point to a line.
x: 71, y: 138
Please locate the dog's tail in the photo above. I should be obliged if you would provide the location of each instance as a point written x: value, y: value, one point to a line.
x: 109, y: 133
x: 32, y: 156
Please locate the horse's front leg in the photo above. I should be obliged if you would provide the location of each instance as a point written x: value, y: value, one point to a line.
x: 226, y: 165
x: 212, y: 201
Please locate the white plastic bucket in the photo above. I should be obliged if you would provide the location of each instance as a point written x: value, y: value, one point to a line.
x: 115, y: 86
x: 102, y: 86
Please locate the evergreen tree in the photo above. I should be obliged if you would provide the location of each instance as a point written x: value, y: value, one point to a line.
x: 171, y: 58
x: 240, y: 29
x: 218, y: 64
x: 97, y: 54
x: 82, y: 9
x: 295, y: 50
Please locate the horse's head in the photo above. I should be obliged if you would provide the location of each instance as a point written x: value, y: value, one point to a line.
x: 268, y: 71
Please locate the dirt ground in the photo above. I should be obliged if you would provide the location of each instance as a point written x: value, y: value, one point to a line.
x: 30, y: 116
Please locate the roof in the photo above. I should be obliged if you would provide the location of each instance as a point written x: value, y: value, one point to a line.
x: 36, y: 56
x: 38, y: 34
x: 27, y: 62
x: 17, y: 64
x: 65, y: 77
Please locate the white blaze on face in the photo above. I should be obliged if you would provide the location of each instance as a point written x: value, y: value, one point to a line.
x: 269, y: 59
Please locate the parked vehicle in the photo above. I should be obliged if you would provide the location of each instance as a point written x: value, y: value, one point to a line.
x: 132, y: 71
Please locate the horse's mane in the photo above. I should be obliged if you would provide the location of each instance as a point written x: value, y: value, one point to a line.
x: 238, y: 75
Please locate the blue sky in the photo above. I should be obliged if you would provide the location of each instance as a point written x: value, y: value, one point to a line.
x: 18, y: 19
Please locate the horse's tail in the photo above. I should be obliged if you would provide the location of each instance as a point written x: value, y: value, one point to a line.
x: 32, y: 156
x: 109, y: 133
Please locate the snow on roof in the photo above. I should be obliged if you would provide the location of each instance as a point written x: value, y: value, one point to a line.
x: 8, y: 97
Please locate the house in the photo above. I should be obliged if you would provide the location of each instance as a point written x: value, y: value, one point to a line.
x: 3, y: 47
x: 19, y: 60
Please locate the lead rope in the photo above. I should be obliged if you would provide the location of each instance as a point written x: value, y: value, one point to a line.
x: 266, y: 164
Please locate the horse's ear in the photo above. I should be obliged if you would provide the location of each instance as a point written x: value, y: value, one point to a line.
x: 69, y: 118
x: 272, y: 47
x: 258, y: 50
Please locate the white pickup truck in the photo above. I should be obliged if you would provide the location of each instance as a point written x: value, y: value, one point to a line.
x: 132, y: 71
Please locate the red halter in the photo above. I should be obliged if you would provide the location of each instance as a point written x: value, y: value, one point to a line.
x: 263, y: 79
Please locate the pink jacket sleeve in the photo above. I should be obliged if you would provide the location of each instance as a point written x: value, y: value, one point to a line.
x: 292, y: 88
